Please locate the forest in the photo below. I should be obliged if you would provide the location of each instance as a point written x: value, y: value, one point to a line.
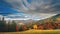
x: 52, y: 23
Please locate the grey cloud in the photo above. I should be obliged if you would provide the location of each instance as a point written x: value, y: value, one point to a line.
x: 37, y: 6
x: 47, y: 7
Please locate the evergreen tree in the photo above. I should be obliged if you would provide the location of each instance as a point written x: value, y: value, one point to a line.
x: 12, y: 26
x: 2, y: 25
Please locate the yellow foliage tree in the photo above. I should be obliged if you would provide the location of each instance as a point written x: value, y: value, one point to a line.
x: 35, y: 26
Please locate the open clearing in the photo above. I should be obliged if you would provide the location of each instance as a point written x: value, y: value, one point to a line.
x: 34, y: 32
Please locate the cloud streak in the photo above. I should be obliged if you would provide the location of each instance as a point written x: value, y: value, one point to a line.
x: 20, y: 16
x: 36, y: 8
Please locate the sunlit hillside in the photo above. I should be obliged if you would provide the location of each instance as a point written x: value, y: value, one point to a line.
x: 55, y: 18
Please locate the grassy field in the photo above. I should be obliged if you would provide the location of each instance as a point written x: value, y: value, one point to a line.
x: 34, y: 32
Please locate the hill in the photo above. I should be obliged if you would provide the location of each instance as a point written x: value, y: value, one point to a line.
x: 55, y: 18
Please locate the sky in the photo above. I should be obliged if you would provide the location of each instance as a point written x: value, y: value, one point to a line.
x: 29, y: 9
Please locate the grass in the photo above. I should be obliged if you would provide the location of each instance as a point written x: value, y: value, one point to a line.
x: 34, y: 32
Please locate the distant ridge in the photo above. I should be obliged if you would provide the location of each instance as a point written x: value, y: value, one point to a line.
x: 53, y: 18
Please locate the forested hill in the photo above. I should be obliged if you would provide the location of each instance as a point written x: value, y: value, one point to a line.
x: 55, y: 18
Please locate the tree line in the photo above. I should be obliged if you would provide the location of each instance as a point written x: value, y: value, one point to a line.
x: 40, y: 25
